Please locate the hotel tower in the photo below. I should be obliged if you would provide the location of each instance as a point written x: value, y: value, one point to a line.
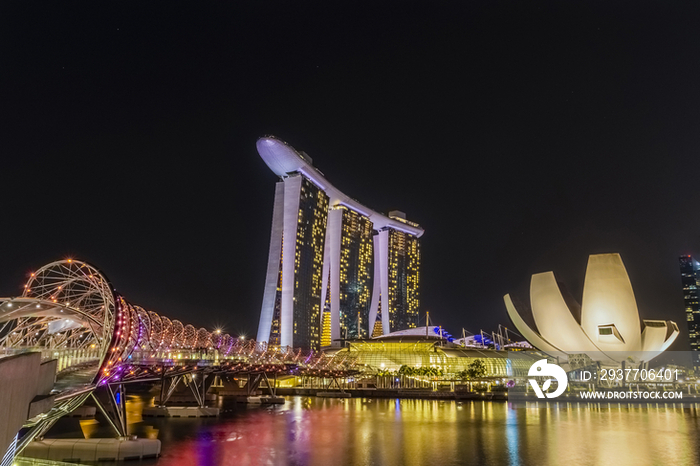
x: 336, y: 269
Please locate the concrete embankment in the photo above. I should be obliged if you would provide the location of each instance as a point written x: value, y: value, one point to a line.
x: 93, y: 450
x: 24, y: 392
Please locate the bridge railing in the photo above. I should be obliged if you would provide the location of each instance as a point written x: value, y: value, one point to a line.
x: 67, y: 357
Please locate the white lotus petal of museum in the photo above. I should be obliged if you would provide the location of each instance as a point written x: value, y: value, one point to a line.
x: 609, y: 328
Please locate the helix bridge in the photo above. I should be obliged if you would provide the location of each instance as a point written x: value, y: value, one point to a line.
x: 69, y: 311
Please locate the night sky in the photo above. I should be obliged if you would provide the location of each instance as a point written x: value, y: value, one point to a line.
x: 523, y: 136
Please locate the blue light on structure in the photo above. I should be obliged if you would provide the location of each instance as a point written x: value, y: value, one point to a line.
x: 445, y: 334
x: 484, y: 340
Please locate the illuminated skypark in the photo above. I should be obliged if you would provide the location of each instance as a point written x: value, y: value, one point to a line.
x: 348, y: 267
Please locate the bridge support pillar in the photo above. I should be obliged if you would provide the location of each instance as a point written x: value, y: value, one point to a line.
x: 110, y: 400
x: 198, y: 388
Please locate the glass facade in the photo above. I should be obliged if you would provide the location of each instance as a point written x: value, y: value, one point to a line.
x: 377, y: 330
x: 390, y: 354
x: 404, y: 280
x: 690, y: 279
x: 308, y: 266
x: 326, y: 329
x: 356, y: 266
x: 276, y: 316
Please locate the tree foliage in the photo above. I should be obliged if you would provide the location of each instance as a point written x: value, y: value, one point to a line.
x: 475, y: 370
x: 420, y: 371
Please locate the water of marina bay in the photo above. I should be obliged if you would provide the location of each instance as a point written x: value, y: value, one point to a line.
x: 364, y: 431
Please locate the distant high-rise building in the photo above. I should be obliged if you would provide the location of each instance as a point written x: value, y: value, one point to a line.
x: 334, y: 265
x: 690, y: 278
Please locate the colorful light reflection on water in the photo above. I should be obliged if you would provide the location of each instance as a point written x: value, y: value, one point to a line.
x: 354, y: 432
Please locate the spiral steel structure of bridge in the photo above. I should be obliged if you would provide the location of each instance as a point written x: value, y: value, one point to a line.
x: 69, y: 311
x: 69, y: 308
x: 70, y: 305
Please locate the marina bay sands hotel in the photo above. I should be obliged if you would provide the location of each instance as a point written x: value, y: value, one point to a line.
x: 336, y: 269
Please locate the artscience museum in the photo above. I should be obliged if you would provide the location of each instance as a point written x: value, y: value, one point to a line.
x: 605, y: 327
